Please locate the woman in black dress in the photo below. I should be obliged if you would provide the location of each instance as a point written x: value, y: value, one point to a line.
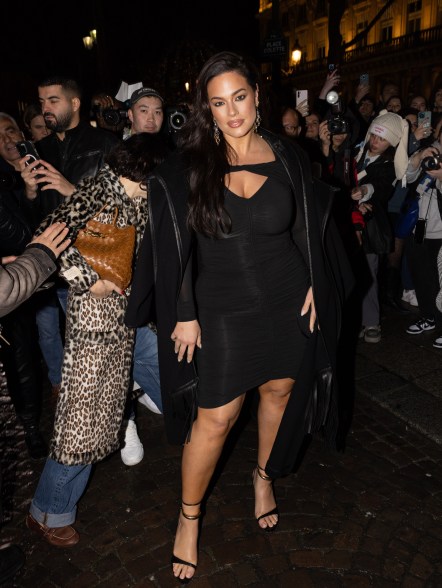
x: 259, y: 250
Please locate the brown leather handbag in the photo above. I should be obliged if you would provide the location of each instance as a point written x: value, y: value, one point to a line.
x: 108, y: 249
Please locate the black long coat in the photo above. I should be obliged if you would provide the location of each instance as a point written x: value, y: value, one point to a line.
x: 162, y: 260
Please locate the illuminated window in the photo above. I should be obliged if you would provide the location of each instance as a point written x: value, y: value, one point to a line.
x: 321, y: 8
x: 414, y: 6
x: 321, y: 52
x: 302, y: 14
x: 386, y: 33
x: 414, y: 25
x: 361, y: 26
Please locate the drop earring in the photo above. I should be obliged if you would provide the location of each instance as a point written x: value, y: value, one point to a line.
x: 216, y: 133
x: 257, y: 120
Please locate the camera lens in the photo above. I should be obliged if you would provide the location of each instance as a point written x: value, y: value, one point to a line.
x: 431, y: 162
x: 177, y: 120
x: 114, y: 117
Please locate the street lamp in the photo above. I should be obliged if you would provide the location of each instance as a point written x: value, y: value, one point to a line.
x: 296, y: 53
x: 90, y: 40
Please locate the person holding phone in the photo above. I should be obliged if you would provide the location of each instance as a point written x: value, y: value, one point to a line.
x: 424, y: 174
x: 71, y: 152
x: 20, y: 276
x: 21, y: 359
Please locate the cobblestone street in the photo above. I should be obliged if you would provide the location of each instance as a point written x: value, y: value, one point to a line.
x: 370, y: 516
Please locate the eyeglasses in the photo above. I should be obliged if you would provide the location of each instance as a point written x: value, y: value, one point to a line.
x: 290, y: 128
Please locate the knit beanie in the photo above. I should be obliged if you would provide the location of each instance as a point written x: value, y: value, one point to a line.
x: 394, y: 129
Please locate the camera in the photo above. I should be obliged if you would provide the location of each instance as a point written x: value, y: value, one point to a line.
x: 176, y: 117
x: 111, y: 116
x: 114, y: 116
x: 431, y: 162
x: 337, y: 124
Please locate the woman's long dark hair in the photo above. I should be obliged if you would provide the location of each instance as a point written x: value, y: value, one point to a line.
x: 208, y: 162
x: 137, y: 156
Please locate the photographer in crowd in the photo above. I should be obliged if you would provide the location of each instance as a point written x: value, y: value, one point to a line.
x: 422, y: 247
x: 108, y: 113
x: 382, y: 160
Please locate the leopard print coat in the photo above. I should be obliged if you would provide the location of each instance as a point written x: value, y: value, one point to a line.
x: 98, y: 345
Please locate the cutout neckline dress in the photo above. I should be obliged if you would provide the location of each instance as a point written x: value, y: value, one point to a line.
x: 250, y: 288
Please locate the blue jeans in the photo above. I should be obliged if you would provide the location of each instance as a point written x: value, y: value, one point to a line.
x: 59, y: 489
x: 145, y: 370
x: 62, y: 294
x: 49, y: 336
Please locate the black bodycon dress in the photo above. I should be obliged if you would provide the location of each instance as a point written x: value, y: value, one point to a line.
x: 250, y: 289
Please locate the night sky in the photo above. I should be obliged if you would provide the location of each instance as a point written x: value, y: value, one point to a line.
x: 135, y: 36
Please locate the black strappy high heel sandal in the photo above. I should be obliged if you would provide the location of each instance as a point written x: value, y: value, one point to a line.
x: 275, y: 510
x: 177, y: 560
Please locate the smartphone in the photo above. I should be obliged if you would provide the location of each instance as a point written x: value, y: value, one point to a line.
x: 364, y: 79
x: 300, y: 96
x: 331, y: 67
x: 27, y: 148
x: 424, y: 119
x: 420, y: 230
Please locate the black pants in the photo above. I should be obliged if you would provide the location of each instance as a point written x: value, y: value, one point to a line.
x: 22, y: 361
x: 422, y: 261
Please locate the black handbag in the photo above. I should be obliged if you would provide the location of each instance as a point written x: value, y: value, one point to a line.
x: 377, y: 236
x: 407, y: 217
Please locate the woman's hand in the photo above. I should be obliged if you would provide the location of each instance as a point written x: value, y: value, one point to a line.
x: 104, y: 288
x: 302, y: 108
x: 421, y: 132
x: 361, y: 91
x: 309, y: 304
x: 358, y: 192
x: 365, y: 207
x: 332, y: 80
x: 185, y: 336
x: 325, y: 137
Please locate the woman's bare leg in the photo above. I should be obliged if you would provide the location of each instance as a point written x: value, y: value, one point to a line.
x: 274, y: 396
x: 200, y: 457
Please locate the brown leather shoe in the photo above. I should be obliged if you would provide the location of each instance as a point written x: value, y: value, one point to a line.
x: 57, y: 536
x: 55, y: 391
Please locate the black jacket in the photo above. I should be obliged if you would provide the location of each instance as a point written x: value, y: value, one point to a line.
x: 377, y: 235
x: 16, y: 212
x: 80, y: 154
x: 159, y: 272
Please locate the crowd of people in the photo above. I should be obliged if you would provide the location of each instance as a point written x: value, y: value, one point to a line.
x: 256, y: 245
x: 383, y: 156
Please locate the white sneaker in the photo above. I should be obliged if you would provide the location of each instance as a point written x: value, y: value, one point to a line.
x: 147, y: 401
x: 372, y: 334
x: 409, y: 296
x: 132, y: 452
